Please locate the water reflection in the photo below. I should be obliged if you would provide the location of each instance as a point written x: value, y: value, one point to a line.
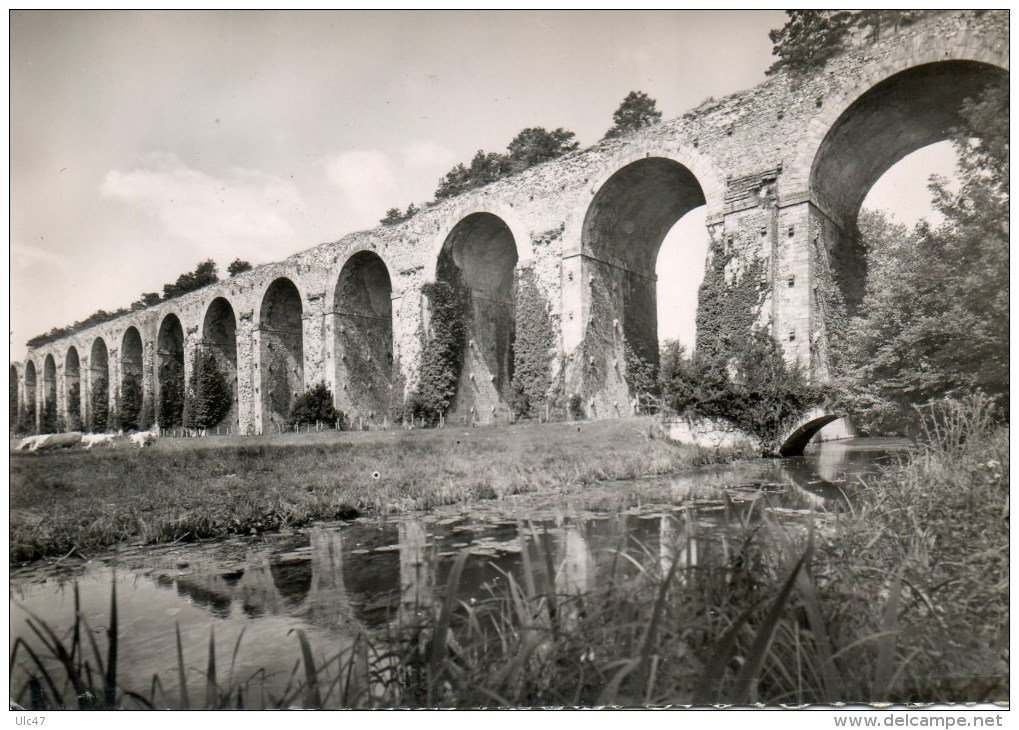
x: 340, y: 582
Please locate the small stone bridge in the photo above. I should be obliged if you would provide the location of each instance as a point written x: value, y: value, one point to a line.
x: 782, y: 169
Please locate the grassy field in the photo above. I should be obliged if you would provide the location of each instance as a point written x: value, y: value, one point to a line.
x: 183, y: 489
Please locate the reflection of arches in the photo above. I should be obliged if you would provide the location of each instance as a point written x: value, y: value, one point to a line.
x: 281, y: 339
x: 888, y: 120
x: 170, y: 372
x: 219, y: 336
x: 72, y: 387
x: 417, y: 571
x: 480, y: 255
x: 623, y: 229
x: 363, y: 309
x: 99, y: 385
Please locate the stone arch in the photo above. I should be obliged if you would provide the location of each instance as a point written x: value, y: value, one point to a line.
x: 219, y: 337
x: 624, y: 226
x: 99, y: 386
x: 72, y: 387
x: 14, y: 396
x: 805, y: 429
x: 31, y: 393
x: 470, y: 207
x: 170, y: 383
x: 281, y: 342
x: 131, y: 379
x: 49, y: 394
x: 363, y: 330
x: 895, y: 108
x: 479, y: 256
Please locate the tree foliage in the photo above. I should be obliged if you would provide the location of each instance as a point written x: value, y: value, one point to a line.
x: 394, y: 216
x: 205, y: 273
x: 238, y: 266
x: 530, y: 147
x: 74, y: 407
x: 934, y: 320
x: 636, y: 111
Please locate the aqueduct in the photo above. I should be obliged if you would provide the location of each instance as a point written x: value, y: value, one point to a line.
x: 781, y: 168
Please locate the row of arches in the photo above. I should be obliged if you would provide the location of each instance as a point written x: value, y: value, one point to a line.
x: 621, y: 232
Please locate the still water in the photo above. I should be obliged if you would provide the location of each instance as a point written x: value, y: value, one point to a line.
x: 337, y: 580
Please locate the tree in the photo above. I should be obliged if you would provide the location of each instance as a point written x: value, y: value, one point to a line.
x: 74, y: 407
x: 205, y: 273
x: 211, y: 398
x: 130, y: 402
x: 637, y: 110
x: 535, y: 145
x: 934, y: 319
x: 485, y: 168
x: 238, y: 266
x: 808, y: 39
x: 393, y: 216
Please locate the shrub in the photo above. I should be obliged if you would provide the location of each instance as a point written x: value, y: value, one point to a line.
x: 442, y: 358
x: 315, y: 405
x: 171, y: 393
x: 74, y: 407
x: 211, y: 398
x: 49, y: 415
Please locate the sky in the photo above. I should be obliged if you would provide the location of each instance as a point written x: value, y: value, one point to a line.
x: 143, y: 142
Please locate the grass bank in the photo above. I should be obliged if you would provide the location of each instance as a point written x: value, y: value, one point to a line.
x: 197, y: 488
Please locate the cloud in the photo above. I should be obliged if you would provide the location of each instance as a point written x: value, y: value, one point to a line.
x: 373, y: 181
x: 202, y: 208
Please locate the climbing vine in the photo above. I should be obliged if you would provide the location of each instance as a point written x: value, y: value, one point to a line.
x: 443, y: 352
x: 533, y: 346
x: 130, y: 402
x: 100, y: 404
x: 727, y: 313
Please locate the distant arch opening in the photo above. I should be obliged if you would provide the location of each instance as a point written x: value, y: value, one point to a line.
x: 479, y: 256
x: 624, y: 229
x: 131, y: 390
x: 282, y: 350
x: 219, y: 340
x: 31, y: 417
x: 898, y: 116
x: 49, y: 403
x: 170, y: 371
x: 99, y: 386
x: 72, y: 386
x: 363, y: 309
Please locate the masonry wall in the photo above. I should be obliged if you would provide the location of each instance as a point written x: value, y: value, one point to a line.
x: 752, y: 154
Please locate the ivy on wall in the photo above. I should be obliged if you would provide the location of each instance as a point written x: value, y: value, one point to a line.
x: 171, y: 393
x: 533, y: 346
x: 74, y: 407
x: 100, y: 403
x: 727, y: 313
x: 130, y: 402
x: 443, y: 352
x: 209, y: 398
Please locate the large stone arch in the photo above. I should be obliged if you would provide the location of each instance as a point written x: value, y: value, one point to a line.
x: 892, y: 108
x: 469, y: 207
x: 132, y: 364
x: 480, y: 257
x: 363, y: 332
x: 219, y: 337
x: 99, y: 385
x: 73, y: 390
x: 170, y: 369
x: 281, y: 350
x: 625, y: 223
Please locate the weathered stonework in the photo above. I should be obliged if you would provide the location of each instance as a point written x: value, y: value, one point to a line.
x: 781, y: 169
